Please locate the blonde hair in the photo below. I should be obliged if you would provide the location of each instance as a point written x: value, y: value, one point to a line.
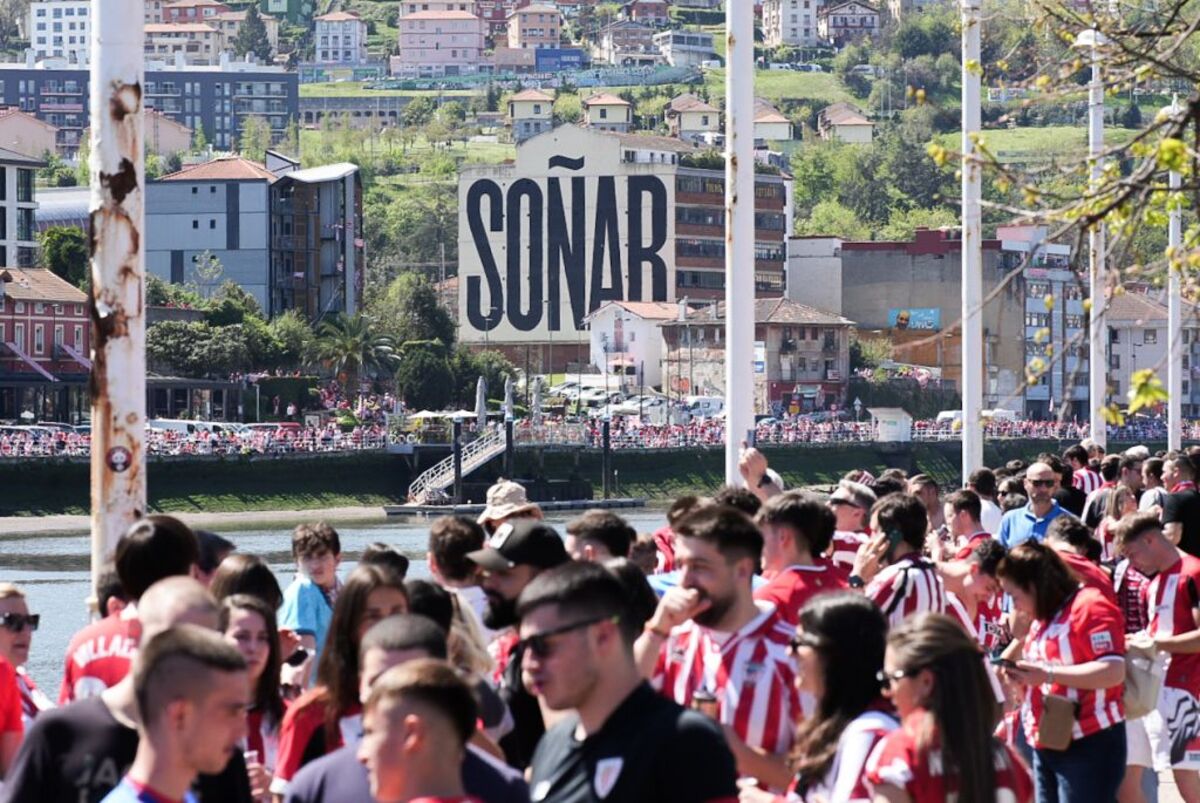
x: 9, y: 590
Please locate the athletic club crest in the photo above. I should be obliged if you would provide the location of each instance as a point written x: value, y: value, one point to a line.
x: 607, y: 772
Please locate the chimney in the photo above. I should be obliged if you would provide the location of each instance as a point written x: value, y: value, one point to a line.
x: 683, y: 308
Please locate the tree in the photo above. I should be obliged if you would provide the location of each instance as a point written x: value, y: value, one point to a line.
x: 831, y: 219
x: 469, y: 365
x: 351, y: 347
x: 418, y: 112
x: 423, y: 378
x: 199, y: 140
x: 904, y: 223
x: 291, y: 138
x: 255, y: 138
x: 231, y: 304
x: 207, y: 271
x: 295, y: 338
x: 196, y: 349
x: 252, y: 37
x: 1132, y: 116
x: 411, y: 310
x: 161, y: 293
x: 65, y: 252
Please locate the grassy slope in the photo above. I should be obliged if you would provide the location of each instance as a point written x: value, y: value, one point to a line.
x: 777, y: 85
x: 1048, y: 140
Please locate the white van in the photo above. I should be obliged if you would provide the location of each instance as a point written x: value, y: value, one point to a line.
x: 178, y: 425
x: 704, y: 406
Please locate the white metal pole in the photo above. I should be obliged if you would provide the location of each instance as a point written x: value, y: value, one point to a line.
x: 1097, y: 327
x: 739, y: 230
x: 1174, y: 317
x: 973, y: 367
x: 118, y: 271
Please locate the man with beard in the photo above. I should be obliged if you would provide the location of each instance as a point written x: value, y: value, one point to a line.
x: 517, y: 552
x: 711, y: 646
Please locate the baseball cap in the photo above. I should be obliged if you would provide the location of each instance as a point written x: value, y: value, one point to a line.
x: 523, y: 542
x: 505, y: 498
x: 853, y: 493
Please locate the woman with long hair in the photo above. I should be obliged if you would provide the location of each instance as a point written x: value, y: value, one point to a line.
x: 1121, y: 502
x: 1073, y: 671
x: 329, y: 715
x: 248, y: 623
x: 944, y: 748
x: 838, y: 649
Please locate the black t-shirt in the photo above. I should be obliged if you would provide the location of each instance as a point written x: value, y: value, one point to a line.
x: 340, y: 777
x: 78, y: 753
x: 1071, y: 499
x: 528, y: 726
x: 1184, y: 507
x: 650, y: 749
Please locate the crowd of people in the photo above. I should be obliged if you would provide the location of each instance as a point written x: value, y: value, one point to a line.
x: 1034, y: 635
x: 278, y: 439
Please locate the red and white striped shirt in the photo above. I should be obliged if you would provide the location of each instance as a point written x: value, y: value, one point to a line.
x: 909, y: 586
x: 1172, y: 599
x: 845, y: 547
x: 1086, y: 479
x: 791, y: 588
x: 903, y: 761
x: 1088, y: 627
x: 846, y: 781
x: 749, y: 672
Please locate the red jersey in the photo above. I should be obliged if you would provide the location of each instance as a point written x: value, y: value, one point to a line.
x: 845, y: 547
x: 909, y: 586
x: 501, y: 650
x: 749, y: 672
x: 1172, y: 598
x: 99, y: 656
x: 900, y: 761
x: 304, y: 722
x: 10, y: 700
x: 1086, y: 480
x: 1090, y: 575
x: 1088, y: 627
x: 975, y: 540
x: 664, y: 544
x: 796, y: 585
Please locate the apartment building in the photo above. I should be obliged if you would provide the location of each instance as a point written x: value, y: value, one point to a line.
x: 192, y: 10
x: 197, y: 42
x: 535, y: 27
x: 439, y: 43
x: 791, y: 23
x: 60, y: 29
x: 340, y: 38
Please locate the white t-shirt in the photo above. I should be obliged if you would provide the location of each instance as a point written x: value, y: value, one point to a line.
x: 990, y: 515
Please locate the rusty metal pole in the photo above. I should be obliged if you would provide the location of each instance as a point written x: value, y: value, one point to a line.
x: 118, y: 382
x: 739, y: 231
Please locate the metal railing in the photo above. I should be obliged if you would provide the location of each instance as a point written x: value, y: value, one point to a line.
x: 439, y: 478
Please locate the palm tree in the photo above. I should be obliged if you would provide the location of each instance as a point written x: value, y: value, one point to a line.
x: 349, y: 346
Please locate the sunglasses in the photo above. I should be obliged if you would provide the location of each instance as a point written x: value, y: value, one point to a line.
x: 538, y: 644
x: 804, y: 640
x: 1042, y: 483
x: 16, y: 622
x: 890, y: 679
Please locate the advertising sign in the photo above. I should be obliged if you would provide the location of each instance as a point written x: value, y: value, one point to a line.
x: 922, y: 318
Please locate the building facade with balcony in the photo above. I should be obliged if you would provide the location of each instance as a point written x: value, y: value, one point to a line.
x: 18, y: 209
x: 196, y: 42
x: 530, y: 113
x: 626, y: 44
x: 649, y: 12
x: 535, y: 27
x: 626, y: 338
x: 217, y: 97
x: 45, y: 333
x: 340, y: 38
x: 60, y: 29
x: 434, y: 44
x: 801, y: 359
x: 192, y: 10
x: 847, y: 22
x: 685, y: 48
x: 230, y: 22
x: 317, y: 248
x: 691, y: 119
x: 791, y: 23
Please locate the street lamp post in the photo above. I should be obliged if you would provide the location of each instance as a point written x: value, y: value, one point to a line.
x: 972, y: 244
x: 1174, y: 316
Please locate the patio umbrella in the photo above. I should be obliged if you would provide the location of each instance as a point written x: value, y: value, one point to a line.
x: 537, y: 401
x: 481, y: 403
x: 509, y: 409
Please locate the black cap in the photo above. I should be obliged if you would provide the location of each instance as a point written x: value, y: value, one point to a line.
x: 521, y: 542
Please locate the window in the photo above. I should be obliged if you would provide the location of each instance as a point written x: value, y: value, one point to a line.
x: 20, y: 307
x: 1114, y: 362
x: 58, y: 335
x: 39, y: 339
x: 39, y: 308
x: 19, y: 336
x: 1114, y: 336
x: 195, y: 190
x: 78, y: 309
x: 1150, y: 337
x: 195, y: 224
x: 604, y: 114
x: 212, y: 224
x: 78, y: 337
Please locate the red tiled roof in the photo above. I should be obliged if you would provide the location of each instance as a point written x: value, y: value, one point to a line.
x: 532, y: 94
x: 223, y: 168
x: 39, y: 284
x: 340, y: 16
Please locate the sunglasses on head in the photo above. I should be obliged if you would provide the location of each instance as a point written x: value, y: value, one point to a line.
x: 538, y: 644
x: 16, y: 622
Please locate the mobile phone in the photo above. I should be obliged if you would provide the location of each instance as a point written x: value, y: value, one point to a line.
x: 298, y: 657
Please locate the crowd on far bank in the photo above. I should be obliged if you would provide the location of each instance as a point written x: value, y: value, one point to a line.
x: 1033, y: 635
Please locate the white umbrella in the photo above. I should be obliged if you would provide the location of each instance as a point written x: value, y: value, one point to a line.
x: 481, y: 403
x: 509, y: 410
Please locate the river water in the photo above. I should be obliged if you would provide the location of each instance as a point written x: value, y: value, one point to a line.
x: 53, y: 570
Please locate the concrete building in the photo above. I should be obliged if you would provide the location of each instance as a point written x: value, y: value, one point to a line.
x: 45, y: 339
x: 317, y: 248
x: 218, y: 97
x: 801, y: 360
x: 230, y: 22
x: 23, y: 133
x: 619, y: 217
x: 910, y: 293
x: 60, y: 29
x: 192, y: 10
x: 18, y: 208
x: 366, y: 110
x: 627, y: 44
x: 685, y: 48
x: 625, y: 338
x: 844, y: 122
x: 608, y: 112
x: 535, y: 27
x: 846, y: 22
x: 530, y: 113
x: 770, y: 125
x: 440, y: 43
x: 413, y: 6
x: 198, y: 43
x: 154, y: 11
x: 898, y: 9
x: 691, y: 119
x: 221, y: 208
x: 656, y: 13
x: 1137, y: 340
x: 340, y: 38
x: 791, y: 23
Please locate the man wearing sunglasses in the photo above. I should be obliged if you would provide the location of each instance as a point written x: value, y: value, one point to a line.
x: 1032, y: 521
x: 622, y: 741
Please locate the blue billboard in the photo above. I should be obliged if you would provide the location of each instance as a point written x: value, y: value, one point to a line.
x: 558, y: 59
x: 922, y: 318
